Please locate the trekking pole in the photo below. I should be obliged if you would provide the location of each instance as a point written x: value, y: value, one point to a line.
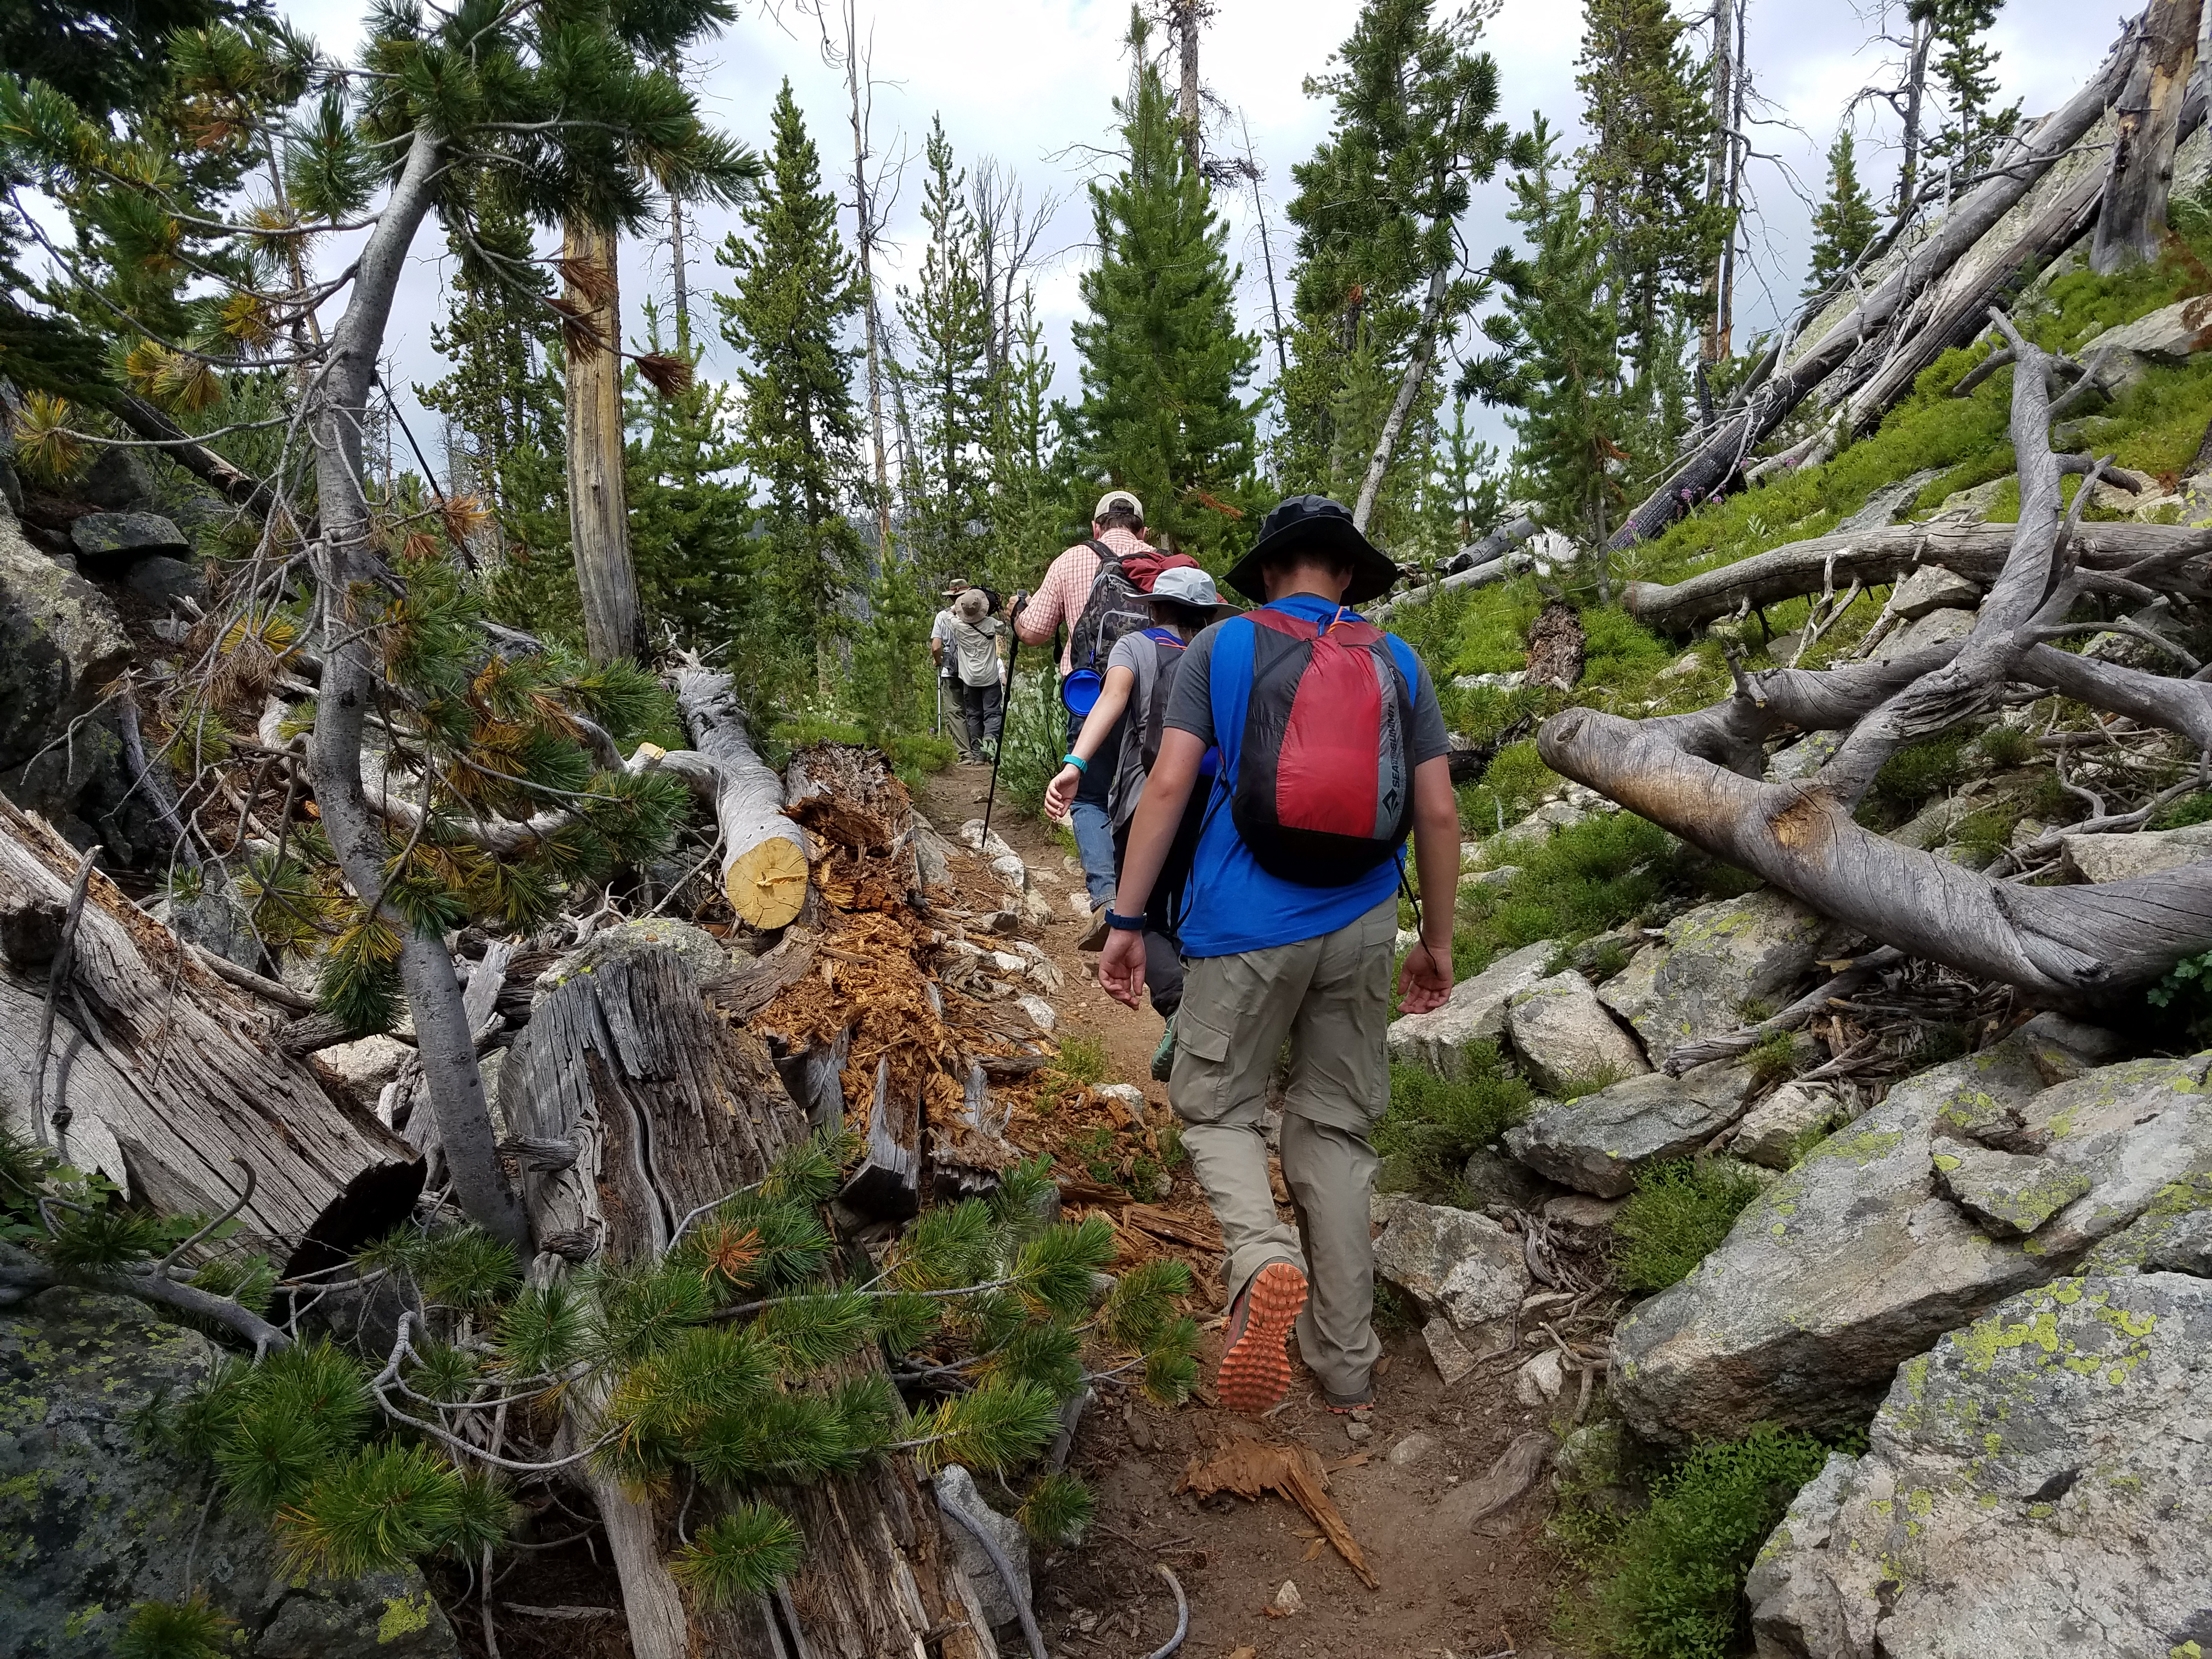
x: 1006, y: 730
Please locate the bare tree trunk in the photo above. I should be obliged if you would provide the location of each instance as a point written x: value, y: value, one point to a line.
x: 1718, y: 160
x: 346, y: 563
x: 157, y: 1076
x: 598, y: 527
x: 763, y: 852
x: 2131, y: 223
x: 1189, y: 15
x: 1266, y: 249
x: 1409, y: 391
x: 863, y: 238
x: 1921, y: 39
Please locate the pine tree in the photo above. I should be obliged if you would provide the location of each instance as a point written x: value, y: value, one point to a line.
x: 1557, y: 365
x: 948, y: 319
x: 1027, y: 512
x: 1965, y: 72
x: 1650, y: 119
x: 1844, y: 224
x: 793, y: 290
x: 1163, y: 359
x: 1379, y: 290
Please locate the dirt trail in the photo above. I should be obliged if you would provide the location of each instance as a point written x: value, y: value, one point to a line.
x: 1445, y: 1589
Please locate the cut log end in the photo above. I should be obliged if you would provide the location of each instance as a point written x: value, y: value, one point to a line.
x: 767, y: 883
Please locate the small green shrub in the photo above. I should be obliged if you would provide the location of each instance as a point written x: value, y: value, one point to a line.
x: 1436, y: 1122
x: 1681, y: 1210
x: 1591, y: 877
x: 1919, y: 771
x: 2184, y: 997
x: 1667, y: 1581
x: 190, y: 1629
x: 1773, y: 1059
x: 1513, y: 784
x: 2190, y: 809
x: 1082, y: 1059
x: 1987, y: 833
x: 2006, y: 746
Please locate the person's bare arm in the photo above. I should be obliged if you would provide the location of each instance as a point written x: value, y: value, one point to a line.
x: 1112, y: 699
x: 1426, y: 980
x: 1151, y: 832
x: 1037, y: 617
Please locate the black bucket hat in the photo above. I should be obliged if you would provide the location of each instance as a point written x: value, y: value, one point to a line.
x: 1314, y: 521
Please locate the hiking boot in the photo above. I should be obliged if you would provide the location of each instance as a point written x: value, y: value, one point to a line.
x: 1164, y: 1056
x: 1096, y: 938
x: 1356, y: 1404
x: 1255, y: 1364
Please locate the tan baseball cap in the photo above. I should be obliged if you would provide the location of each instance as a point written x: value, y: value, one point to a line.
x: 1114, y: 498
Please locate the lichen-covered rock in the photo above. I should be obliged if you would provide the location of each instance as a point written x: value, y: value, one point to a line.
x: 1774, y: 1131
x: 1858, y: 1259
x: 1474, y: 1014
x: 2040, y: 1483
x: 956, y: 1489
x: 2160, y: 1239
x: 1712, y: 961
x: 2010, y: 1193
x: 119, y: 538
x: 1458, y: 1264
x: 1596, y: 1144
x: 1937, y: 627
x: 1933, y: 588
x: 95, y: 1518
x: 1490, y: 1177
x: 162, y: 579
x: 60, y: 642
x: 706, y: 957
x: 1564, y: 1037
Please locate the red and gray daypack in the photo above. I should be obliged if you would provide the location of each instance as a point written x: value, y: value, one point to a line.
x: 1324, y: 784
x: 1115, y: 606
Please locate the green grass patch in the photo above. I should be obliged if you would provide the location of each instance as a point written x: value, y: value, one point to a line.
x: 1608, y: 870
x: 2180, y: 814
x: 1920, y: 772
x: 1435, y: 1124
x: 1082, y: 1059
x: 1773, y: 1059
x: 1680, y: 1211
x: 1667, y: 1582
x: 1512, y: 786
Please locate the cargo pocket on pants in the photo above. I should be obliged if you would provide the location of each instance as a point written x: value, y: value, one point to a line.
x: 1197, y: 1087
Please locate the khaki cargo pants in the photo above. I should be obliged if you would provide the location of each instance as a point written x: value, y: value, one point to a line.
x: 1330, y: 998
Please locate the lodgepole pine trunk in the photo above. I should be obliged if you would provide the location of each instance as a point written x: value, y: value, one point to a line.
x: 2083, y: 947
x: 1189, y: 16
x: 598, y: 529
x: 670, y: 1108
x: 346, y: 566
x: 763, y: 852
x: 1409, y: 391
x: 158, y: 1078
x: 2131, y: 222
x: 1715, y: 463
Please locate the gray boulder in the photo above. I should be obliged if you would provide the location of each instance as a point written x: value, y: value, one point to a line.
x: 1933, y: 588
x: 1596, y: 1144
x: 119, y: 480
x: 956, y: 1490
x: 360, y: 1070
x: 2010, y: 1193
x: 1711, y: 961
x: 1564, y: 1037
x: 1457, y: 1264
x: 1776, y: 1130
x: 1807, y: 756
x: 1859, y: 1258
x: 2145, y: 853
x: 160, y: 579
x: 1475, y: 1014
x: 119, y: 538
x: 706, y: 957
x: 1490, y: 1177
x: 95, y: 1518
x: 2040, y: 1483
x: 2173, y: 334
x: 1937, y: 627
x: 60, y: 641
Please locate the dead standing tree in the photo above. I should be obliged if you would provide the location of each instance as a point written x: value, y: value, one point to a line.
x: 1699, y: 775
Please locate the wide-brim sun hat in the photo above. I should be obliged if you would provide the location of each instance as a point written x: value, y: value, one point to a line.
x: 972, y: 606
x: 1315, y: 522
x: 1186, y: 585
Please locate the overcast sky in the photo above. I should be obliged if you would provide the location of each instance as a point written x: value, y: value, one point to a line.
x: 1031, y: 82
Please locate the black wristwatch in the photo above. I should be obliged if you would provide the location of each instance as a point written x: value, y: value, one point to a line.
x: 1121, y: 924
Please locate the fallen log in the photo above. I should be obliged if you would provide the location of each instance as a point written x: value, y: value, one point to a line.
x: 1720, y: 458
x: 670, y: 1110
x: 159, y: 1077
x: 2082, y: 948
x: 763, y: 852
x: 1886, y: 554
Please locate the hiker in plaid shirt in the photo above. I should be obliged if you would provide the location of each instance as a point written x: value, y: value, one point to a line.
x: 1058, y: 601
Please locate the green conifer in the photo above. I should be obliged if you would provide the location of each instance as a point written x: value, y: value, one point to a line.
x: 1163, y: 358
x: 793, y: 289
x: 1844, y: 223
x: 948, y: 383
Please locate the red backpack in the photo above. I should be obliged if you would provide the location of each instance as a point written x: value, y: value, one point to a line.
x: 1324, y: 785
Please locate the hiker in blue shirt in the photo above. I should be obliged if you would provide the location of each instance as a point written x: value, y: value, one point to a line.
x: 1332, y: 747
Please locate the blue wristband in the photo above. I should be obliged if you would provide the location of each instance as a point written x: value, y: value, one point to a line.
x: 1071, y: 758
x: 1121, y: 924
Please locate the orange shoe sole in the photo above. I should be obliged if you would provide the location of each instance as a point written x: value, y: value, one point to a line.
x: 1255, y: 1368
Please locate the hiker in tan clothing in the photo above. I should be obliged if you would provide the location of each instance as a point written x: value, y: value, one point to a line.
x: 1331, y: 749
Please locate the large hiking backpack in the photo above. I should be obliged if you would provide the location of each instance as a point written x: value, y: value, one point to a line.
x: 1324, y: 784
x: 1115, y: 606
x: 1152, y: 719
